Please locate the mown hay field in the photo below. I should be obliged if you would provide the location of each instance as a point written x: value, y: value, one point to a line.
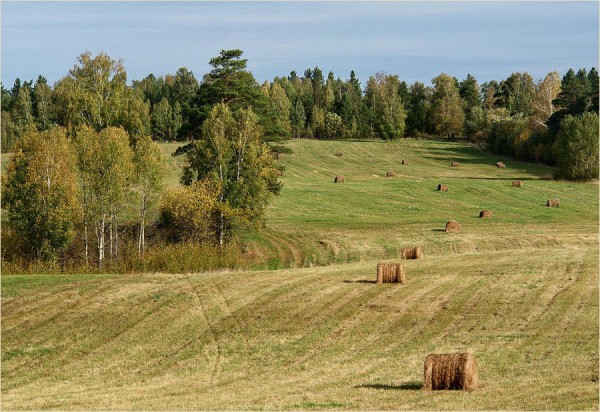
x: 520, y: 291
x: 370, y: 216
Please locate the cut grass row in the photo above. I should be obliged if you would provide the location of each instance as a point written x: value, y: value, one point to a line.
x: 371, y: 215
x: 316, y: 338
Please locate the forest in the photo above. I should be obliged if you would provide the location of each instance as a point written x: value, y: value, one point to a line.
x: 85, y: 186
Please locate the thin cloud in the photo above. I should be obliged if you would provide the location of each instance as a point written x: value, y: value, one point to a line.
x: 410, y: 39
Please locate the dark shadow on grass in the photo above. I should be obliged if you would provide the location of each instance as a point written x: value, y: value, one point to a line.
x: 470, y: 154
x: 499, y: 178
x: 406, y: 386
x: 360, y: 281
x: 355, y: 140
x: 438, y: 230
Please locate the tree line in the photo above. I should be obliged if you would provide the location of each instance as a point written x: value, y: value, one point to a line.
x: 86, y: 180
x: 517, y: 116
x: 85, y: 187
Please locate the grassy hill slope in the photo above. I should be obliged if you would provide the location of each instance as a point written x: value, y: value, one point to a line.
x: 315, y: 221
x: 519, y: 290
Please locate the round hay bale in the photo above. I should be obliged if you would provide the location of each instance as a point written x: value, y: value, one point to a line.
x: 412, y: 252
x: 390, y: 173
x: 517, y: 183
x: 339, y: 153
x: 390, y: 273
x: 500, y: 165
x: 454, y: 164
x: 450, y: 371
x: 452, y: 226
x: 279, y: 172
x: 338, y: 179
x: 442, y: 188
x: 553, y: 203
x: 486, y: 213
x: 405, y: 162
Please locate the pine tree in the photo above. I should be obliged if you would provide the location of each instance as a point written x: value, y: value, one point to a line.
x: 419, y: 103
x: 298, y: 120
x: 230, y: 83
x: 469, y: 93
x: 42, y: 104
x: 593, y: 80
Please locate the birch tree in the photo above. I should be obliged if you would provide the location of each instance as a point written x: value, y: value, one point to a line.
x: 546, y: 91
x: 149, y: 169
x: 110, y: 186
x: 230, y: 152
x: 105, y: 168
x: 39, y: 190
x: 447, y: 115
x: 93, y: 93
x: 387, y: 110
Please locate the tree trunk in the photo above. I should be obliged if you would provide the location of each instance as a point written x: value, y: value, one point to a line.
x: 116, y: 229
x: 141, y: 239
x: 110, y: 233
x: 86, y: 239
x: 221, y: 229
x: 100, y: 235
x: 221, y: 217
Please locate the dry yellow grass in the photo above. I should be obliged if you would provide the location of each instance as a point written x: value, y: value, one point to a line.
x: 315, y: 338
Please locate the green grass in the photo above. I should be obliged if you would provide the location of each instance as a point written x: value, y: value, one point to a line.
x: 519, y: 290
x: 174, y: 163
x: 315, y: 221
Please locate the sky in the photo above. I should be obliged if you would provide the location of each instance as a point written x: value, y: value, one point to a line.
x: 415, y: 40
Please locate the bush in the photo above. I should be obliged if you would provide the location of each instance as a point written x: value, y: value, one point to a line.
x: 190, y: 256
x: 184, y: 257
x: 190, y: 212
x: 576, y: 147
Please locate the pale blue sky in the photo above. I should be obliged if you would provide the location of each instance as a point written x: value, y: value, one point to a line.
x: 417, y: 41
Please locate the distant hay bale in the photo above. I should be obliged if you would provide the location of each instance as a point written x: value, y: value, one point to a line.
x: 412, y: 252
x: 279, y: 156
x: 553, y: 203
x: 339, y: 153
x: 339, y: 179
x: 390, y: 173
x: 451, y: 371
x: 517, y: 183
x: 452, y: 226
x: 405, y: 162
x: 500, y: 165
x: 279, y: 172
x: 442, y: 188
x: 454, y: 164
x: 486, y: 213
x: 390, y: 273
